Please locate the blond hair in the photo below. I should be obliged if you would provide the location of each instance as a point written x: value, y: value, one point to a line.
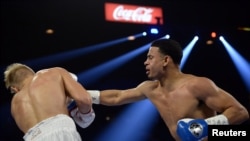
x: 15, y: 74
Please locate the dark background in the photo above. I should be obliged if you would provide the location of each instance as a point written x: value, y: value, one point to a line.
x: 81, y: 23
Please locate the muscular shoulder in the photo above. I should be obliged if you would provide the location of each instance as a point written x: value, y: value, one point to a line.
x: 55, y: 74
x: 198, y: 82
x: 57, y: 70
x: 202, y: 86
x: 148, y: 85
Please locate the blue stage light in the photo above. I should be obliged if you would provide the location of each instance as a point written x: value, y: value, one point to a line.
x: 154, y: 31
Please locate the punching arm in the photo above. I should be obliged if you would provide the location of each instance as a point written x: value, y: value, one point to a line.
x: 95, y: 94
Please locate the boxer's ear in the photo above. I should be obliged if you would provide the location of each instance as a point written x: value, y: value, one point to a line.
x: 166, y: 60
x: 13, y: 89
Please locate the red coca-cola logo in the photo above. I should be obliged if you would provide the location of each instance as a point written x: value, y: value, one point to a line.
x: 133, y: 14
x: 139, y: 14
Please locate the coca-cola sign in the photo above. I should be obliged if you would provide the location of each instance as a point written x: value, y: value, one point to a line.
x: 133, y: 14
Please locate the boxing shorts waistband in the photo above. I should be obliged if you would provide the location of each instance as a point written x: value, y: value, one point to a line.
x: 50, y: 124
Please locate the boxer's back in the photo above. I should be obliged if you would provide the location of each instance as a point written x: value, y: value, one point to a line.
x: 42, y: 96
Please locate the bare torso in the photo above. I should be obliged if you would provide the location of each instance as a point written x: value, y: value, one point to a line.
x: 42, y: 97
x: 177, y: 102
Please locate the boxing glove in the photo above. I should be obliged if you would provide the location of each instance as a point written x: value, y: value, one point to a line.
x: 192, y: 129
x: 81, y: 119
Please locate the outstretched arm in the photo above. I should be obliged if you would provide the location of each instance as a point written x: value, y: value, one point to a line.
x: 118, y: 97
x: 115, y: 97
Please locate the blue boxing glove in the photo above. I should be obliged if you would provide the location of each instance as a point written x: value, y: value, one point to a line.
x: 192, y: 129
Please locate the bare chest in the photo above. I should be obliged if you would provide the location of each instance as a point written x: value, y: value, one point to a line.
x: 175, y: 104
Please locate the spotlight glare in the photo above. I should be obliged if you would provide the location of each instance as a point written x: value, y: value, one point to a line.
x: 239, y: 61
x: 221, y: 38
x: 154, y: 31
x: 213, y: 34
x: 49, y: 31
x: 131, y: 38
x: 187, y: 50
x: 107, y: 118
x: 244, y: 28
x: 209, y: 42
x: 167, y: 36
x: 196, y: 38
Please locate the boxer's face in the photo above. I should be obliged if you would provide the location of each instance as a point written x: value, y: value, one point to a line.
x: 154, y: 63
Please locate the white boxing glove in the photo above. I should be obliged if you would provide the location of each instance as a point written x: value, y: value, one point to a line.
x: 83, y: 120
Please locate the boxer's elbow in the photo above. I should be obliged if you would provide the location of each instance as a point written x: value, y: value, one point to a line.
x: 245, y: 114
x: 242, y: 115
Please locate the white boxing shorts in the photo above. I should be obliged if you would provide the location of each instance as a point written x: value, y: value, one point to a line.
x: 57, y: 128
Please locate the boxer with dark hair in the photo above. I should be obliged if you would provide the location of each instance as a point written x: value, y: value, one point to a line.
x: 40, y: 103
x: 187, y: 103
